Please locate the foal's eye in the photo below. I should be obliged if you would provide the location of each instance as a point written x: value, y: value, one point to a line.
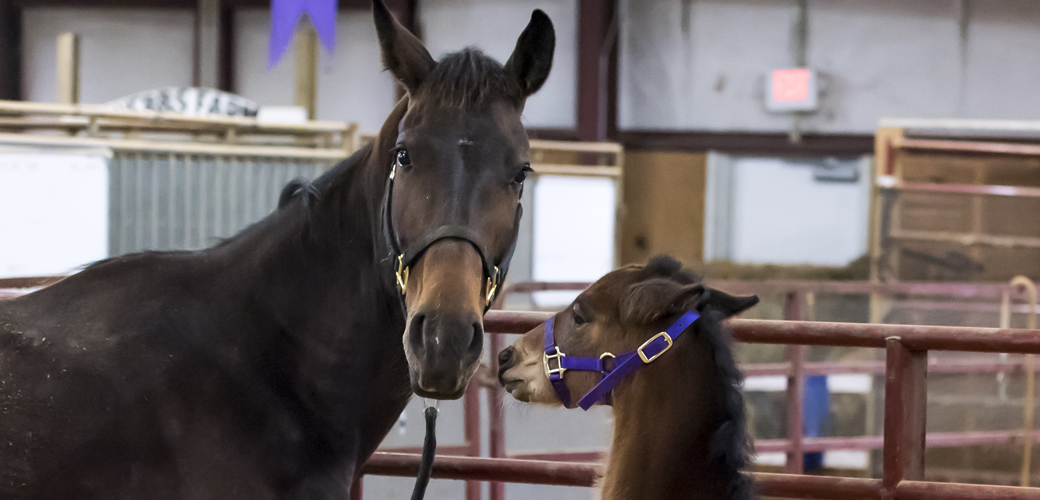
x: 578, y: 320
x: 403, y: 160
x: 522, y: 175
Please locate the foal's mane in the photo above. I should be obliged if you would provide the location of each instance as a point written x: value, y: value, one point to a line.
x: 730, y: 447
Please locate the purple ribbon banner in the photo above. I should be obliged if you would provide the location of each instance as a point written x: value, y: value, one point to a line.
x: 286, y: 13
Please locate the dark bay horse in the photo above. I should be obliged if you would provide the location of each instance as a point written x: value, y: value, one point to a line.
x: 679, y: 421
x: 271, y: 365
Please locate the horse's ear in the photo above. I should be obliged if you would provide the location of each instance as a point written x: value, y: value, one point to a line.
x: 403, y: 54
x: 533, y: 55
x: 725, y: 303
x: 647, y: 301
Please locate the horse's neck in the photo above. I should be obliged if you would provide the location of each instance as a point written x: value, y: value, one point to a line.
x: 326, y: 258
x: 663, y: 422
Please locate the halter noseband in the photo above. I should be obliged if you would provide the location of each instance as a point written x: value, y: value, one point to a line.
x: 623, y: 364
x: 495, y: 273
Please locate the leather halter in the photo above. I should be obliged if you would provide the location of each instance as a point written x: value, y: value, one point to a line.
x: 495, y: 272
x: 622, y: 366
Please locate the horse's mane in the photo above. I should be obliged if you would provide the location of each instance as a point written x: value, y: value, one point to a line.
x: 467, y: 79
x: 730, y: 445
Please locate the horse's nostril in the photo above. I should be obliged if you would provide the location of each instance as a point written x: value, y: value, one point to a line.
x: 415, y: 330
x: 477, y: 342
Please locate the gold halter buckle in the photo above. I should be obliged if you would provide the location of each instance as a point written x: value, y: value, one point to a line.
x: 492, y: 287
x: 668, y: 345
x: 402, y: 274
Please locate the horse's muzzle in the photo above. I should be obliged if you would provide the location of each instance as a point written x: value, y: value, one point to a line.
x: 446, y: 349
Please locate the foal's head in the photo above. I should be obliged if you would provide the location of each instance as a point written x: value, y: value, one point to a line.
x: 616, y: 315
x: 459, y: 157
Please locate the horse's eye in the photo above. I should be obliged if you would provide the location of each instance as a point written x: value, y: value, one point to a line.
x: 522, y: 176
x: 403, y: 159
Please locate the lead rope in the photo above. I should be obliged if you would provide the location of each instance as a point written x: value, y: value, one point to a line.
x: 428, y: 451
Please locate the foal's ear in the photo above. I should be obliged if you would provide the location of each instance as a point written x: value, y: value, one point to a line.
x: 725, y: 303
x: 647, y: 301
x: 533, y: 55
x: 403, y: 54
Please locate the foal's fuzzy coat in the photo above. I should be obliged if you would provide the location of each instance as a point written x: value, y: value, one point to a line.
x: 679, y: 429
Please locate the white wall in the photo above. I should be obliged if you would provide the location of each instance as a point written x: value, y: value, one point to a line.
x: 493, y: 26
x: 53, y: 212
x: 352, y: 85
x: 698, y: 64
x: 122, y: 51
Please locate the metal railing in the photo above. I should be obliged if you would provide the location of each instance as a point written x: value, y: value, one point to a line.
x: 904, y: 438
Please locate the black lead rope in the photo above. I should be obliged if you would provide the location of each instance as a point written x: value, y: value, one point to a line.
x: 428, y: 450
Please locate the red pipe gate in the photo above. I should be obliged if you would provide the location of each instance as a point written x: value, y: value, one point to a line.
x: 906, y: 370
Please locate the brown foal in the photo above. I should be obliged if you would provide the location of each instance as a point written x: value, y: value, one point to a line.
x: 679, y: 424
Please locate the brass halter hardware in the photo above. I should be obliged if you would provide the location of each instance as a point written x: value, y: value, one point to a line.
x: 402, y: 274
x: 492, y: 287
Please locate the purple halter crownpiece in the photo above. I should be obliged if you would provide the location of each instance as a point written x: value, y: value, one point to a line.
x: 623, y: 364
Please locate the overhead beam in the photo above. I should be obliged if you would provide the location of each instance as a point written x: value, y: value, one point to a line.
x: 597, y: 69
x: 10, y: 51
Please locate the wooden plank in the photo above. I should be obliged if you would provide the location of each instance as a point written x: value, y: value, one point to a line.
x: 307, y: 68
x: 175, y: 147
x: 967, y: 239
x: 579, y: 146
x: 576, y: 170
x: 980, y: 147
x: 68, y: 68
x: 983, y: 189
x: 663, y: 206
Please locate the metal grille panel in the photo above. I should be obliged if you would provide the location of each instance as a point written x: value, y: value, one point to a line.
x: 177, y: 201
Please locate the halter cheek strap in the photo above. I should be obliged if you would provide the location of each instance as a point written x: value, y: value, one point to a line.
x: 495, y: 273
x: 556, y: 363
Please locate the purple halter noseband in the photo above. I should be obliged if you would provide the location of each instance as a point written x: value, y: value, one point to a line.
x: 623, y: 364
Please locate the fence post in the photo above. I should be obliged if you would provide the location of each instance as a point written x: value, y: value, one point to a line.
x: 906, y: 388
x: 357, y: 490
x: 496, y: 418
x: 471, y: 427
x: 795, y: 355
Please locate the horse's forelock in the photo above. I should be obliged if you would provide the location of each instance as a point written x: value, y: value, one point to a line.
x: 467, y: 79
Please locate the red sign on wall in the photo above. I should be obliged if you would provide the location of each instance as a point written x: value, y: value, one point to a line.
x: 791, y: 85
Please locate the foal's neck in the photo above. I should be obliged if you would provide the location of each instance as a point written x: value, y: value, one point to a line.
x: 664, y: 419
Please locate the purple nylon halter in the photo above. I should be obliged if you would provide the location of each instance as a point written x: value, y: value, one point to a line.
x: 624, y: 364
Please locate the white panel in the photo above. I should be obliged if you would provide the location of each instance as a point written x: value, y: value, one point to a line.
x: 122, y: 51
x: 781, y: 215
x: 769, y: 383
x: 53, y: 212
x: 850, y: 383
x: 493, y: 26
x: 573, y: 232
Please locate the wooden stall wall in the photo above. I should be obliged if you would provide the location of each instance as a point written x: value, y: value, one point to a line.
x: 664, y: 206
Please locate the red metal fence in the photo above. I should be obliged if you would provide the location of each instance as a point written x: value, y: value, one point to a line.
x: 905, y: 368
x: 906, y: 371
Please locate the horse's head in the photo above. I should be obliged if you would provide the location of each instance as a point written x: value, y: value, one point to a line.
x: 452, y: 207
x: 616, y: 315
